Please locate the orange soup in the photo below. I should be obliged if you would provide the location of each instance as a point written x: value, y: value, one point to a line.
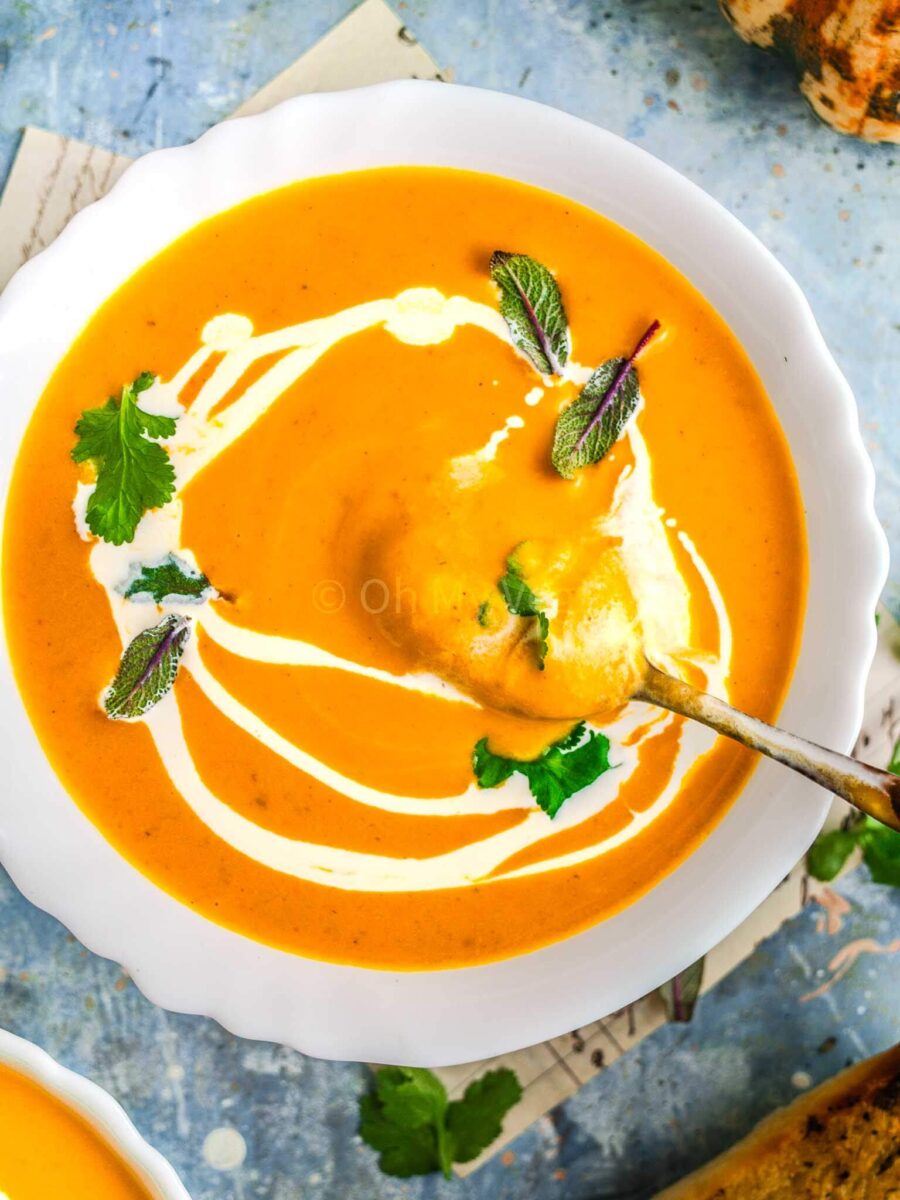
x: 47, y: 1149
x: 367, y: 640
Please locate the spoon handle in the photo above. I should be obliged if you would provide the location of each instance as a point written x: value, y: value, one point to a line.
x: 874, y: 792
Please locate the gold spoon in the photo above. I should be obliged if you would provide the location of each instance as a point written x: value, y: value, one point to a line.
x: 874, y: 792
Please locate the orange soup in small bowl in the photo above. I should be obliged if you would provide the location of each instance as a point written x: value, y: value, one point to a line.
x: 62, y: 1136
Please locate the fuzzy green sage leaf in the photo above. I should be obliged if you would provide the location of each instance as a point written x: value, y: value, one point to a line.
x: 147, y: 669
x: 532, y: 307
x: 522, y: 602
x: 591, y: 425
x: 172, y: 579
x: 564, y: 768
x: 134, y: 473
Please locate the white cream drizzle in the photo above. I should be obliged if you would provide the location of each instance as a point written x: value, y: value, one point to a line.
x: 419, y: 316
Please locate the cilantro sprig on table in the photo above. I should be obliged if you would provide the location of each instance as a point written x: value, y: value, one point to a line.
x: 880, y: 845
x: 564, y: 768
x: 415, y: 1127
x: 134, y: 473
x: 880, y: 848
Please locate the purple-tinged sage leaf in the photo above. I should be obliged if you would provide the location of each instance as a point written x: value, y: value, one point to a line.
x: 591, y: 425
x: 147, y: 669
x: 681, y: 993
x: 532, y: 307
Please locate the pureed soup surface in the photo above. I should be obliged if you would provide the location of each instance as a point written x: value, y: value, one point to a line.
x: 47, y: 1149
x: 358, y: 448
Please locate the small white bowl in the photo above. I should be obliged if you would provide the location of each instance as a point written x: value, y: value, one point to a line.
x: 185, y: 962
x: 104, y: 1115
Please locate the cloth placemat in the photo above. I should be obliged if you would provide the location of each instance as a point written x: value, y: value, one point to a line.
x: 54, y: 176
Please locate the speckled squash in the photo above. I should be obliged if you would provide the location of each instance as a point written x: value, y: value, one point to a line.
x: 847, y: 53
x: 839, y: 1141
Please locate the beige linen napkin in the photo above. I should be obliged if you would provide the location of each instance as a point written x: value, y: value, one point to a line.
x: 53, y: 177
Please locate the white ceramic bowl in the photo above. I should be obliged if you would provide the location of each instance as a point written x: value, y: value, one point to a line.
x: 185, y: 962
x: 105, y: 1116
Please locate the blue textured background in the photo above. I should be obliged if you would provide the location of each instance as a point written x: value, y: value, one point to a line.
x: 671, y: 76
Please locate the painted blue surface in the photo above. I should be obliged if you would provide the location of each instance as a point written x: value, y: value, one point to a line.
x: 671, y: 1103
x: 135, y: 75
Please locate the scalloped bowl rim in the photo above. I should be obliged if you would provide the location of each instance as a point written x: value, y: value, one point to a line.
x: 103, y: 1114
x: 185, y: 962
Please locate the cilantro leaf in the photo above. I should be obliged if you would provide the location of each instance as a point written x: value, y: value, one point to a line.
x: 880, y: 845
x: 491, y: 769
x: 829, y: 852
x: 406, y: 1116
x: 477, y: 1119
x: 411, y: 1096
x: 532, y: 307
x: 402, y: 1151
x: 134, y: 474
x: 482, y: 615
x: 894, y: 765
x: 522, y: 602
x: 409, y: 1121
x: 565, y: 767
x: 588, y: 429
x: 880, y: 851
x: 147, y: 669
x: 173, y: 577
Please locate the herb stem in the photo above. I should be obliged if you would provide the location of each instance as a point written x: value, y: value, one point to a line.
x: 543, y: 340
x: 677, y: 1009
x: 617, y: 382
x: 445, y: 1152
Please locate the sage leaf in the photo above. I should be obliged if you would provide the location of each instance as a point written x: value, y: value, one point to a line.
x: 532, y: 307
x: 575, y: 445
x: 147, y: 669
x: 681, y: 993
x: 173, y: 578
x: 587, y: 430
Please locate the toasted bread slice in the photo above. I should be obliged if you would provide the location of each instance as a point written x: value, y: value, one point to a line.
x: 840, y: 1141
